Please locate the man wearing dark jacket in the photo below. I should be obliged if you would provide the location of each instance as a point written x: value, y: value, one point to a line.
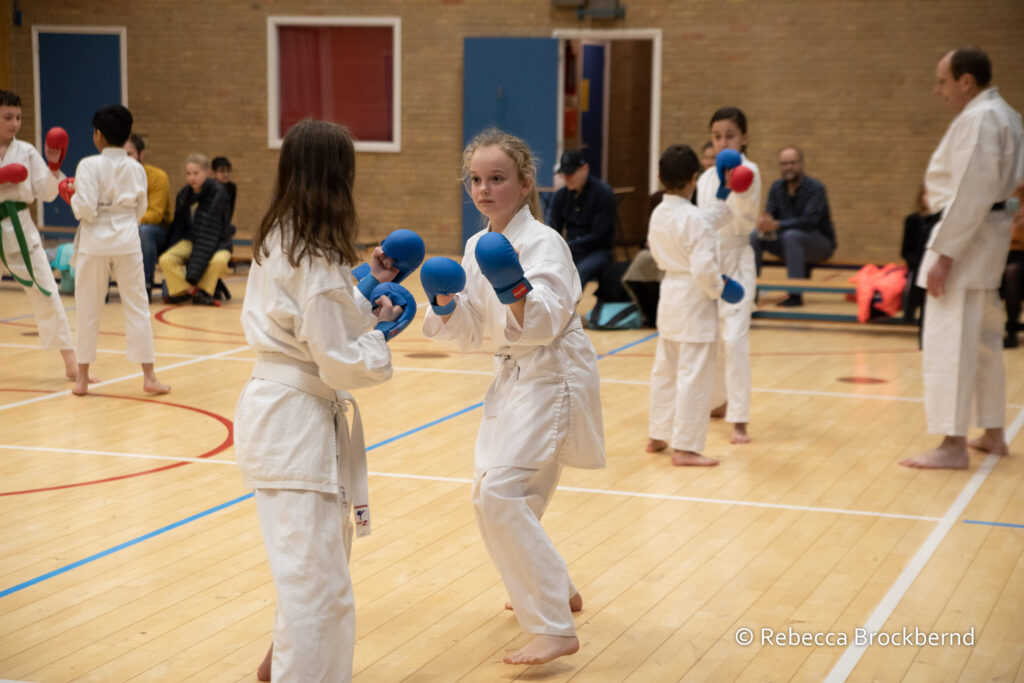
x: 200, y: 235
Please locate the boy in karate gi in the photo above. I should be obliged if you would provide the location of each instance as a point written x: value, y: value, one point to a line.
x: 108, y: 195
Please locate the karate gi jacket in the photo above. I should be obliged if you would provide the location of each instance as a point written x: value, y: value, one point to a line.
x: 285, y: 438
x: 685, y: 246
x: 110, y: 198
x: 40, y: 184
x: 979, y: 162
x: 539, y: 365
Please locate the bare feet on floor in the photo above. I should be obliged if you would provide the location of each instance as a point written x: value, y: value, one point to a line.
x: 992, y: 441
x: 544, y: 649
x: 691, y: 459
x: 720, y: 410
x: 575, y: 603
x: 951, y: 454
x: 656, y: 445
x: 263, y: 671
x: 155, y: 387
x: 739, y: 433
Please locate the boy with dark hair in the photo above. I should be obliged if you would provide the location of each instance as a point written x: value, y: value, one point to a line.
x: 686, y: 247
x: 222, y: 172
x: 108, y: 195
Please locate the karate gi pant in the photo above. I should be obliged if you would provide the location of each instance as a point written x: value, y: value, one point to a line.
x: 92, y: 278
x: 963, y: 361
x: 682, y: 379
x: 308, y: 537
x: 509, y: 502
x: 732, y: 361
x: 51, y: 321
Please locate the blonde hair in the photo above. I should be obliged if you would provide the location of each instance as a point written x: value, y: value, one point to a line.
x: 518, y: 151
x: 200, y: 160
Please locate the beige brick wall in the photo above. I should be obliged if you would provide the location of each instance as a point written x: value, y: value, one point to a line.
x: 848, y: 81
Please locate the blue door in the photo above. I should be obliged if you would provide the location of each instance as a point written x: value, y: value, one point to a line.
x: 511, y: 83
x: 592, y: 119
x: 78, y: 74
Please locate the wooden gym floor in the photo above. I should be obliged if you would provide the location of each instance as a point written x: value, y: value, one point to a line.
x: 130, y: 551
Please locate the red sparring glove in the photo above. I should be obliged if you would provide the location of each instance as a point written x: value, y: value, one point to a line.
x: 740, y: 179
x: 12, y: 173
x: 56, y: 139
x: 66, y: 188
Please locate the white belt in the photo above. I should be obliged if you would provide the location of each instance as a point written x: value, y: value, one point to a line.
x: 733, y: 241
x: 277, y: 367
x: 514, y: 353
x: 115, y: 211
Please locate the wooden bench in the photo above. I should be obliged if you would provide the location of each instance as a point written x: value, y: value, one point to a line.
x: 842, y: 288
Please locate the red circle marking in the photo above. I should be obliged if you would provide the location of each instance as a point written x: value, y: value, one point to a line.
x: 161, y: 316
x: 862, y: 380
x: 224, y: 445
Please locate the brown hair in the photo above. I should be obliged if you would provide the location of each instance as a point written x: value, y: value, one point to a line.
x: 518, y: 151
x: 313, y: 195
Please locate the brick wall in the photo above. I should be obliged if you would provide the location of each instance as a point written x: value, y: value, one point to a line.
x: 850, y: 82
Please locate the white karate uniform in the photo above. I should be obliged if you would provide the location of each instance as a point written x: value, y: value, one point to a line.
x: 979, y: 162
x: 314, y: 331
x: 685, y: 246
x: 541, y: 412
x: 110, y: 198
x: 41, y: 184
x: 734, y: 220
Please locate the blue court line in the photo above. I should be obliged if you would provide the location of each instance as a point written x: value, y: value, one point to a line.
x: 204, y: 513
x: 1012, y: 526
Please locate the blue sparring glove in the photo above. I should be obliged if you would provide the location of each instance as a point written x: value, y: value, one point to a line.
x: 441, y: 275
x: 732, y: 293
x: 499, y: 263
x: 726, y: 160
x: 405, y: 249
x: 399, y: 296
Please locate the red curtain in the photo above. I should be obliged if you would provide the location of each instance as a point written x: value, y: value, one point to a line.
x: 338, y: 73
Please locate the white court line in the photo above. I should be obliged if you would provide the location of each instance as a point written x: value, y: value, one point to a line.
x: 844, y: 667
x: 158, y: 354
x: 108, y: 382
x: 458, y: 480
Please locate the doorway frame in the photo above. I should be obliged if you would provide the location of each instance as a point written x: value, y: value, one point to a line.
x: 652, y: 34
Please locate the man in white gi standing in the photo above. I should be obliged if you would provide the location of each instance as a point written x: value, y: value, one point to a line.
x: 977, y: 166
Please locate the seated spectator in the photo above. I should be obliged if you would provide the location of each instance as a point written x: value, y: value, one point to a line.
x: 796, y: 225
x: 584, y: 212
x: 917, y: 227
x: 154, y: 226
x: 222, y: 173
x: 1013, y: 277
x: 200, y: 237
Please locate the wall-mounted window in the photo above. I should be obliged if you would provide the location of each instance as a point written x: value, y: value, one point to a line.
x: 343, y: 69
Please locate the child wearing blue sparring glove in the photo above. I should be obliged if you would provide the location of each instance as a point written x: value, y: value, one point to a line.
x: 542, y: 411
x: 731, y: 200
x: 685, y: 246
x: 317, y: 337
x: 404, y: 248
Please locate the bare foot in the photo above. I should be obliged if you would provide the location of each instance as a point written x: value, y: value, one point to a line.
x: 951, y: 454
x: 739, y: 433
x: 575, y: 604
x: 720, y: 410
x: 691, y: 459
x: 543, y: 649
x: 155, y: 386
x: 656, y: 445
x: 263, y: 671
x: 81, y: 388
x: 992, y: 441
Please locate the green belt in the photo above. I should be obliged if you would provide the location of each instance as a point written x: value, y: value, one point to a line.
x: 10, y: 210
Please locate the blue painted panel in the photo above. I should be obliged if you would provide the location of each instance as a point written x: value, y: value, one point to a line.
x: 592, y: 120
x: 511, y: 83
x: 78, y: 74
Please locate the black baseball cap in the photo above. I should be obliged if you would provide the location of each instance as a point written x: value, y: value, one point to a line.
x: 570, y: 161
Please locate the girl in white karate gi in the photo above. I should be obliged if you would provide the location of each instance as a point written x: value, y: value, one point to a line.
x: 314, y: 333
x: 734, y: 220
x: 40, y: 184
x: 685, y: 246
x: 543, y: 409
x: 109, y: 198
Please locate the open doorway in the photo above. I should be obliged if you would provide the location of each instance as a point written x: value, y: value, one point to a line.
x: 609, y: 107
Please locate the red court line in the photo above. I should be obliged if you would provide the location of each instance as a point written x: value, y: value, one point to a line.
x: 121, y: 334
x: 160, y: 315
x: 224, y: 445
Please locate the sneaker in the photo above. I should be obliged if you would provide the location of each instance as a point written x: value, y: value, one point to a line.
x: 177, y: 298
x: 1010, y: 341
x: 792, y: 300
x: 201, y: 298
